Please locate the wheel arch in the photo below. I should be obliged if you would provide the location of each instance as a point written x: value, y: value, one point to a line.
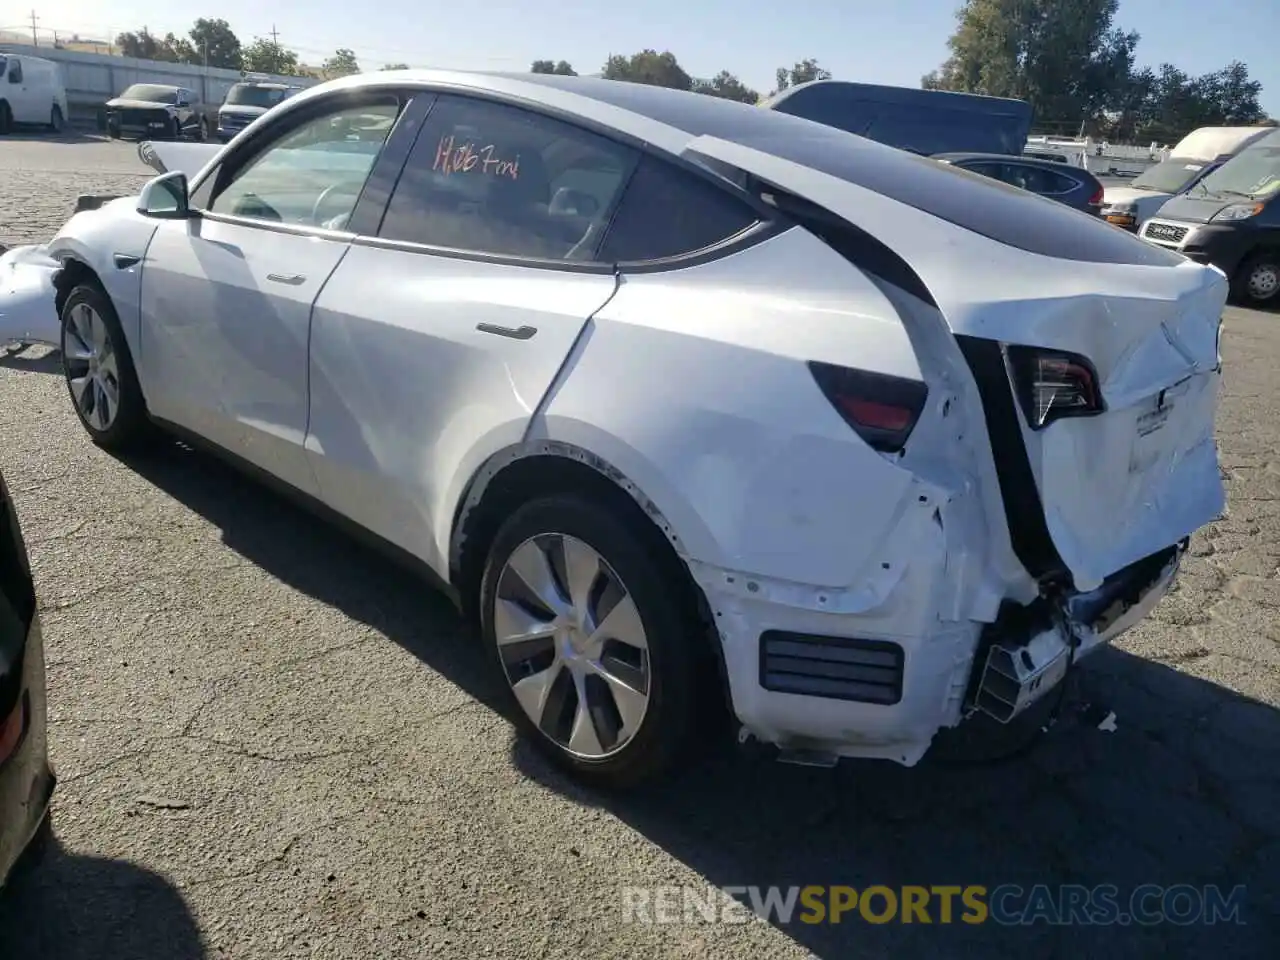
x: 524, y: 472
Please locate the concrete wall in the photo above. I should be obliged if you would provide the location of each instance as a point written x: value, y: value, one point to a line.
x: 92, y: 79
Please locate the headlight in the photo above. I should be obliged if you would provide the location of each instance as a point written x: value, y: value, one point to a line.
x: 1237, y: 211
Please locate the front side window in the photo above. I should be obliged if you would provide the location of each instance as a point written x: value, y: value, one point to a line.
x: 496, y: 179
x: 313, y: 175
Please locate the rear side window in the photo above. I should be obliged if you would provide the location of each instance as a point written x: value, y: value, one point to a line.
x: 669, y: 212
x: 15, y: 72
x: 1037, y: 179
x: 497, y: 179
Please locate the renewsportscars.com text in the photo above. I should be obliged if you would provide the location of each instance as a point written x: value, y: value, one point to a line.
x: 1008, y: 904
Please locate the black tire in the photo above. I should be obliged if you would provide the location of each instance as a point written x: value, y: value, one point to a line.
x: 663, y: 737
x: 113, y: 132
x: 173, y: 131
x: 56, y: 120
x: 1257, y: 281
x: 131, y: 426
x: 6, y: 118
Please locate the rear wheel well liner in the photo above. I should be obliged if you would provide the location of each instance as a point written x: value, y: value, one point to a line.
x: 518, y: 475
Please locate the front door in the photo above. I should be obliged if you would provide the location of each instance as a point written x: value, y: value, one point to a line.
x: 227, y: 296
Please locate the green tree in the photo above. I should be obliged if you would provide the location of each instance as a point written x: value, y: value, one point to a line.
x: 650, y: 67
x: 726, y: 86
x: 144, y: 45
x: 267, y: 56
x: 343, y: 63
x: 802, y: 72
x: 1067, y: 59
x: 180, y: 49
x: 214, y: 39
x: 561, y: 67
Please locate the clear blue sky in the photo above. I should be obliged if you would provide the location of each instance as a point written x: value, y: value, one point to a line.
x: 886, y: 41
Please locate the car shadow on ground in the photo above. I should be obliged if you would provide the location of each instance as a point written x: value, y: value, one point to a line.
x: 1182, y: 791
x: 75, y: 907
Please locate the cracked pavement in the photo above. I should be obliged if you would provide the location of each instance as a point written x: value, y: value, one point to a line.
x: 271, y: 743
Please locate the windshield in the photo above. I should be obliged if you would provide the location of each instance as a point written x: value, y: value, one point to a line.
x: 249, y: 95
x: 1169, y: 176
x: 151, y: 92
x: 1254, y: 172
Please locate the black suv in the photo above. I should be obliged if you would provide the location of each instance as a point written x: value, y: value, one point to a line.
x: 1231, y: 219
x: 156, y: 111
x: 26, y: 779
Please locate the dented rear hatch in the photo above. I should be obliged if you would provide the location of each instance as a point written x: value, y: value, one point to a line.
x: 1096, y: 354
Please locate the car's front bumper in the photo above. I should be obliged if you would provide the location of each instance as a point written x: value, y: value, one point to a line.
x: 27, y: 311
x: 27, y: 780
x: 1219, y: 245
x: 816, y: 683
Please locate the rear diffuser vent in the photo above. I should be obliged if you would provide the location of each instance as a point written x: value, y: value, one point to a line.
x: 837, y: 668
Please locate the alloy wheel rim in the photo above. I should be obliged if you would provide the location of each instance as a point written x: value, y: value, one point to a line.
x: 1264, y: 281
x: 572, y: 645
x: 93, y: 372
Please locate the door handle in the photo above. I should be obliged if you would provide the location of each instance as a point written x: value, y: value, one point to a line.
x: 292, y: 279
x: 515, y: 333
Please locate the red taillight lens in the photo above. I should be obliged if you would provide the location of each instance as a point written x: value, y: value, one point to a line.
x: 1096, y: 199
x: 882, y: 409
x: 1053, y: 384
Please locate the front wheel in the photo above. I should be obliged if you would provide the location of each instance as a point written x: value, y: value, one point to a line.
x: 99, y: 371
x: 173, y: 131
x: 56, y: 121
x: 598, y: 657
x: 1257, y: 282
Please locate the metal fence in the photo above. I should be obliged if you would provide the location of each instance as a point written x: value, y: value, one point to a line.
x: 92, y: 79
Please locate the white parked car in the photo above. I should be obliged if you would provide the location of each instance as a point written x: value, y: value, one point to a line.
x: 31, y: 92
x: 676, y: 395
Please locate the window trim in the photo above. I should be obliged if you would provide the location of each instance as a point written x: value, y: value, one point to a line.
x: 234, y: 161
x: 766, y: 225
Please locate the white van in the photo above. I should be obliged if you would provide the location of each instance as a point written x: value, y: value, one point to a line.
x: 31, y: 91
x: 1196, y: 156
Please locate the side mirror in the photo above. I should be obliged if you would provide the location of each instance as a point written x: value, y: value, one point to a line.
x: 166, y: 197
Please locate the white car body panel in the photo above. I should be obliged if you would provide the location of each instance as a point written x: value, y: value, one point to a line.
x: 409, y: 399
x: 1144, y: 328
x: 226, y: 319
x: 689, y: 388
x: 26, y: 296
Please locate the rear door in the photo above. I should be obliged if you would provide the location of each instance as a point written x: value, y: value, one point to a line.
x: 440, y: 332
x: 1115, y: 486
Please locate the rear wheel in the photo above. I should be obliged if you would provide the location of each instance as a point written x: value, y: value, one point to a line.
x: 6, y: 118
x: 598, y: 658
x: 172, y: 130
x: 56, y: 121
x: 99, y: 371
x: 1258, y: 279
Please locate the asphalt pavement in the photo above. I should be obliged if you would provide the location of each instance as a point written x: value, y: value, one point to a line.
x: 273, y: 744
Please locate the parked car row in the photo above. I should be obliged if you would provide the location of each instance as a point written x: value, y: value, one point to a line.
x: 160, y: 111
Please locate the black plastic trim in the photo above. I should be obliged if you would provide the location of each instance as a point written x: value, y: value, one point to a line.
x: 1024, y: 511
x: 827, y: 658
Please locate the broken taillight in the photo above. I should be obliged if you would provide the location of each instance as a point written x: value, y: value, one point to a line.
x: 882, y: 409
x: 1053, y: 385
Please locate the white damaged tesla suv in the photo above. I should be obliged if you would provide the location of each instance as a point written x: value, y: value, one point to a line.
x: 678, y: 396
